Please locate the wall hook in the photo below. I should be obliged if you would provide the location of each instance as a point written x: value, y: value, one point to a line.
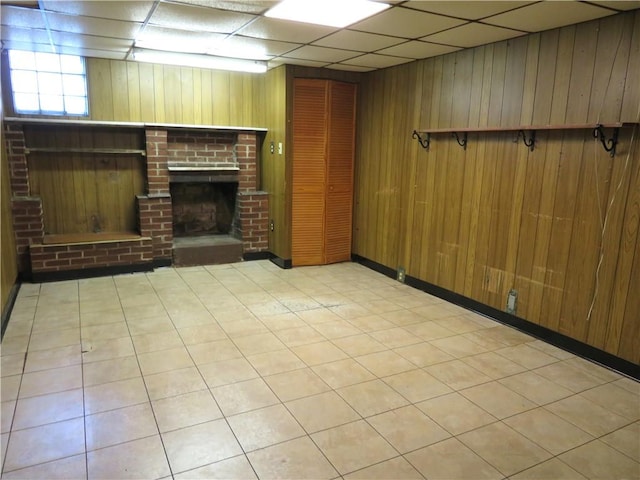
x: 608, y: 145
x: 528, y: 143
x: 462, y: 142
x: 424, y: 142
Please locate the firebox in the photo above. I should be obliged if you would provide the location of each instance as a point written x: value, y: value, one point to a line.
x: 203, y: 208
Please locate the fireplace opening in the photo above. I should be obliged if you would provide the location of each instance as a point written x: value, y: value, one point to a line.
x: 202, y: 208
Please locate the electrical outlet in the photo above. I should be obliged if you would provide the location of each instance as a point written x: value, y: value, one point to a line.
x: 271, y: 225
x: 512, y: 301
x: 279, y: 148
x: 272, y: 148
x: 401, y: 274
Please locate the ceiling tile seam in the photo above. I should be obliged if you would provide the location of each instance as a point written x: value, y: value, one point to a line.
x: 46, y: 25
x: 608, y: 7
x: 408, y: 6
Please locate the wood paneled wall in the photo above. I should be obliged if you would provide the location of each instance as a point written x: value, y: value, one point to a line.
x: 497, y: 216
x: 8, y: 259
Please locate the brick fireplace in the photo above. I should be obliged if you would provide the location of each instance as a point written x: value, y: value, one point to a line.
x: 216, y: 168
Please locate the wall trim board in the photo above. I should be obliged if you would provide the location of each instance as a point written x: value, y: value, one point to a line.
x: 162, y: 262
x: 251, y: 256
x: 281, y: 262
x: 44, y: 277
x: 8, y: 306
x: 554, y: 338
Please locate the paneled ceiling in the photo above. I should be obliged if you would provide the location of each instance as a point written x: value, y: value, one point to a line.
x: 407, y: 31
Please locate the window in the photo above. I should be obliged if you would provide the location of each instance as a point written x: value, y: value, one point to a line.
x: 48, y: 83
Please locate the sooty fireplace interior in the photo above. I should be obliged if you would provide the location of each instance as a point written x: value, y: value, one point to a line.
x: 203, y: 208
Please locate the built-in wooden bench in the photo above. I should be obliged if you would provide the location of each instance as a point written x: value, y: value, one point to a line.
x: 76, y: 238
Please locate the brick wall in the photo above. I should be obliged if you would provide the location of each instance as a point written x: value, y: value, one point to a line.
x: 55, y: 258
x: 215, y: 148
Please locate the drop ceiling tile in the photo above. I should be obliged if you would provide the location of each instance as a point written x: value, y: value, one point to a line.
x: 245, y: 6
x: 187, y: 17
x: 252, y: 48
x: 93, y: 26
x: 21, y: 17
x: 321, y: 54
x: 547, y: 15
x: 160, y: 38
x: 363, y: 42
x: 87, y: 52
x: 374, y: 60
x: 25, y: 35
x: 416, y: 49
x: 29, y: 47
x: 472, y: 34
x: 405, y: 23
x: 620, y: 4
x: 276, y: 62
x: 285, y: 31
x: 129, y: 10
x: 350, y: 68
x: 471, y: 10
x: 90, y: 42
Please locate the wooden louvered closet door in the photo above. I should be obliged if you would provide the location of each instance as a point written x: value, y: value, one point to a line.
x: 323, y: 152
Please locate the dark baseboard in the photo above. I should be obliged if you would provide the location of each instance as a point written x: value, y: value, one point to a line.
x: 554, y: 338
x: 162, y: 262
x: 8, y: 307
x: 42, y: 277
x: 250, y: 256
x: 281, y: 262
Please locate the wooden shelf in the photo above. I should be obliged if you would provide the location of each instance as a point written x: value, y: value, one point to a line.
x: 461, y: 134
x: 114, y: 151
x: 74, y: 238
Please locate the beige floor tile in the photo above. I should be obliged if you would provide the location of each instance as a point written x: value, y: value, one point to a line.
x: 227, y: 371
x: 598, y: 460
x: 255, y: 298
x: 295, y: 459
x: 457, y: 374
x: 498, y: 400
x: 396, y: 468
x: 18, y: 327
x: 264, y: 427
x: 9, y: 387
x: 548, y: 430
x: 508, y: 335
x: 7, y: 411
x: 601, y: 373
x: 175, y: 382
x: 361, y: 344
x: 165, y: 360
x: 319, y: 353
x: 272, y: 307
x: 535, y: 388
x: 385, y: 363
x: 552, y: 469
x: 53, y: 358
x: 111, y: 370
x: 353, y: 446
x: 102, y: 317
x: 616, y: 400
x: 36, y: 411
x: 104, y: 332
x: 371, y: 398
x: 460, y: 324
x: 300, y: 304
x: 142, y: 314
x: 271, y: 363
x: 241, y: 328
x: 296, y: 384
x: 628, y: 384
x: 551, y: 350
x: 505, y: 449
x: 51, y: 381
x: 493, y: 365
x: 417, y: 385
x: 526, y: 356
x: 199, y: 445
x: 569, y: 376
x: 210, y: 352
x: 625, y: 440
x: 244, y: 396
x: 338, y: 329
x: 343, y: 372
x: 282, y: 321
x: 99, y: 350
x: 428, y: 330
x: 259, y: 343
x: 455, y: 413
x: 371, y: 323
x: 381, y: 305
x: 119, y: 426
x: 235, y: 467
x: 232, y: 312
x: 63, y: 469
x: 113, y: 395
x: 201, y: 334
x: 335, y: 411
x: 153, y: 342
x: 144, y: 458
x: 350, y: 310
x: 154, y: 323
x: 12, y: 364
x: 185, y: 410
x: 435, y: 311
x: 50, y: 322
x: 44, y: 444
x: 191, y: 317
x: 60, y: 338
x: 423, y: 354
x: 485, y: 339
x: 407, y: 428
x: 458, y: 346
x: 16, y: 344
x: 293, y: 337
x: 588, y: 416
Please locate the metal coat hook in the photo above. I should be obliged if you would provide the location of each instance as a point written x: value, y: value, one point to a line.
x: 424, y: 142
x: 462, y: 142
x: 609, y: 145
x: 528, y: 143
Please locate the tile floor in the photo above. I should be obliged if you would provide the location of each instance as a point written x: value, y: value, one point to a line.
x: 247, y: 370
